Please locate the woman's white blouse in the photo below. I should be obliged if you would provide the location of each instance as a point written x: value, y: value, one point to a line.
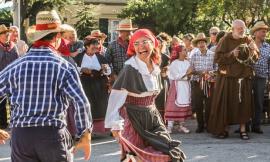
x: 117, y: 98
x: 91, y: 62
x: 177, y: 72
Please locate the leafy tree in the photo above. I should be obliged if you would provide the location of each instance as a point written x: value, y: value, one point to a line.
x: 194, y: 15
x: 5, y: 17
x: 142, y: 13
x: 86, y: 21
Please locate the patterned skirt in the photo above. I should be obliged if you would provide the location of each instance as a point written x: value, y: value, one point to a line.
x: 175, y: 112
x: 145, y: 137
x: 134, y: 147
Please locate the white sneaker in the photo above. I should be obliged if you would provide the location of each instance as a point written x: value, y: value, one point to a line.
x: 183, y: 129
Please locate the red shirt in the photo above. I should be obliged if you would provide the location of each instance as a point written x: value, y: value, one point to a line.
x: 64, y: 47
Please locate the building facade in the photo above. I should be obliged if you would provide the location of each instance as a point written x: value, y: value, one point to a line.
x: 105, y: 11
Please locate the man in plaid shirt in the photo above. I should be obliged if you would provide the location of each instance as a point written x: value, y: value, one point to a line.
x: 116, y: 53
x: 202, y: 63
x: 39, y: 86
x: 261, y: 68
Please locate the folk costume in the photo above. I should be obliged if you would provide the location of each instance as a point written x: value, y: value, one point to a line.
x: 143, y: 133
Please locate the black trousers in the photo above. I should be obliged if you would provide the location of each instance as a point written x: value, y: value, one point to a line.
x: 201, y: 103
x: 3, y: 114
x: 41, y: 144
x: 258, y: 89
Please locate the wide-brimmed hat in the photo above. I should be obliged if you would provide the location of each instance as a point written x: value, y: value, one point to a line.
x: 46, y: 22
x: 4, y: 29
x: 200, y: 37
x: 259, y: 25
x: 125, y: 25
x: 98, y: 34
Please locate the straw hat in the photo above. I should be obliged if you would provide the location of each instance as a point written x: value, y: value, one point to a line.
x: 97, y: 33
x: 199, y: 37
x: 46, y: 22
x: 4, y: 29
x: 259, y: 25
x: 125, y: 25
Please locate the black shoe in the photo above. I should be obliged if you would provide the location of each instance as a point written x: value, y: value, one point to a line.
x: 199, y: 130
x: 257, y: 130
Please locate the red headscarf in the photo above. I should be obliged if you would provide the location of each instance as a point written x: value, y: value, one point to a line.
x: 175, y: 52
x: 142, y: 33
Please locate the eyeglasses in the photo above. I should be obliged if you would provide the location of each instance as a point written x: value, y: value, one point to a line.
x: 145, y: 42
x: 214, y: 33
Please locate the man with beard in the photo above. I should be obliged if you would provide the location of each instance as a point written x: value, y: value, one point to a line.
x: 232, y: 99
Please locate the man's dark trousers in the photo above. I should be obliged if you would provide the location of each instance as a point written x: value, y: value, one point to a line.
x: 258, y: 89
x: 41, y: 144
x: 3, y: 114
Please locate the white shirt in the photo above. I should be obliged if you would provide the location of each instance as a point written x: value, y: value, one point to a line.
x: 118, y: 97
x: 177, y: 71
x: 91, y: 62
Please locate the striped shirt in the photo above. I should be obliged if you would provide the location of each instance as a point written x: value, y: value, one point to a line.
x: 39, y: 86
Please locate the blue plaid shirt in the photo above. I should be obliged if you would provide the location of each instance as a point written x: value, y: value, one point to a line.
x: 262, y: 65
x: 39, y: 85
x: 202, y: 63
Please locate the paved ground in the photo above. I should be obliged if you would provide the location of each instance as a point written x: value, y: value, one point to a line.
x: 198, y: 148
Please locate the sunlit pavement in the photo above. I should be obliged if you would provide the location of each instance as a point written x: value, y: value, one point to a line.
x: 198, y: 147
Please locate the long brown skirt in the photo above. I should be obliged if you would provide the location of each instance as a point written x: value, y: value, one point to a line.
x: 228, y: 105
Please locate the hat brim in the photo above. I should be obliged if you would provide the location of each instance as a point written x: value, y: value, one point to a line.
x: 195, y: 41
x: 131, y: 29
x: 4, y: 31
x: 253, y: 30
x: 102, y: 36
x: 37, y: 35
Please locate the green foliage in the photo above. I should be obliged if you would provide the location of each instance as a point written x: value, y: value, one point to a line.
x: 183, y: 16
x: 5, y: 16
x: 32, y: 7
x: 86, y: 21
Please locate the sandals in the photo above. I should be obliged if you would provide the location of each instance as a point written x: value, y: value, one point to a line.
x: 244, y: 136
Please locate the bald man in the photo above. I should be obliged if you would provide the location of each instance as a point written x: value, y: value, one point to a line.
x: 232, y: 99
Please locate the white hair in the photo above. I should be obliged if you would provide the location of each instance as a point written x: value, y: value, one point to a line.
x: 238, y: 22
x: 14, y: 27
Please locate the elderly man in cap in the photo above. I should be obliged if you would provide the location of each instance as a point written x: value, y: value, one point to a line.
x: 233, y: 98
x: 40, y: 85
x: 202, y: 83
x: 261, y: 68
x: 116, y: 53
x: 8, y: 53
x: 213, y: 36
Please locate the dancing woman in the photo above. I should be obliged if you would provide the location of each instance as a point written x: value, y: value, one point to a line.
x: 132, y: 114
